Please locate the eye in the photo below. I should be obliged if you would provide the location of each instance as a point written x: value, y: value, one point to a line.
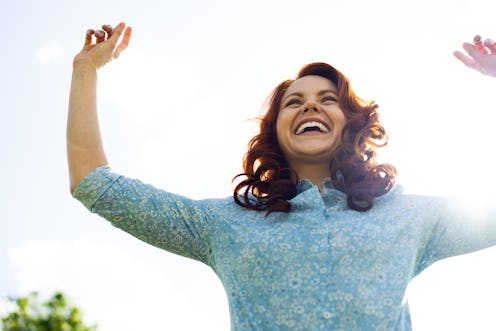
x: 292, y: 102
x: 328, y: 99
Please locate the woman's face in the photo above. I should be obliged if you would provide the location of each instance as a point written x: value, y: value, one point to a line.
x: 310, y: 121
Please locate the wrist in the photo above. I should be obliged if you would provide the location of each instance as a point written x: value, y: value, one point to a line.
x: 84, y: 72
x: 84, y: 66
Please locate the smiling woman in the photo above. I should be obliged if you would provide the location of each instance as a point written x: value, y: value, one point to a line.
x: 316, y: 237
x: 315, y: 127
x: 309, y: 126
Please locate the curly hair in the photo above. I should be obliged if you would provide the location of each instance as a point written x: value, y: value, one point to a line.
x: 268, y: 183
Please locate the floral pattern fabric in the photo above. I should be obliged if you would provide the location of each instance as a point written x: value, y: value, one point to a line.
x: 321, y: 266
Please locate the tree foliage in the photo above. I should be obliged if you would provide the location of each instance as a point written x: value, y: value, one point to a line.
x: 55, y: 314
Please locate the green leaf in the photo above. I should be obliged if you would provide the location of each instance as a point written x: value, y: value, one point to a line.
x: 55, y: 314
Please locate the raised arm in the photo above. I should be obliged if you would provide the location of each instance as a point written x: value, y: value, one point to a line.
x: 481, y: 56
x: 84, y: 142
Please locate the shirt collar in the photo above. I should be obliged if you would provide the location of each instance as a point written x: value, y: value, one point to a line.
x: 306, y: 184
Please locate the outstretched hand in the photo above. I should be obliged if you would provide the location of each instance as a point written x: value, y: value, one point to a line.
x: 102, y: 46
x: 481, y: 56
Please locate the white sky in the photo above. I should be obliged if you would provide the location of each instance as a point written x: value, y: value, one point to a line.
x: 175, y: 112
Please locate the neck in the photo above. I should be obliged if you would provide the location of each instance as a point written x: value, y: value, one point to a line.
x: 316, y: 173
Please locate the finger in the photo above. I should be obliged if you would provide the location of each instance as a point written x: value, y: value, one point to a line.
x: 89, y: 37
x: 116, y: 33
x: 479, y: 45
x: 108, y: 29
x: 473, y: 51
x: 490, y: 45
x: 469, y: 62
x: 116, y: 36
x: 100, y: 36
x: 124, y: 43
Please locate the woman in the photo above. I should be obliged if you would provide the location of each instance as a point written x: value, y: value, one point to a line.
x: 316, y: 237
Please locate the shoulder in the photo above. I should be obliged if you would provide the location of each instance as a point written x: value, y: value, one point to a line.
x: 226, y: 207
x: 397, y: 201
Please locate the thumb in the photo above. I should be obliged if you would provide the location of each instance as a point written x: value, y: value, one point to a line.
x: 472, y: 51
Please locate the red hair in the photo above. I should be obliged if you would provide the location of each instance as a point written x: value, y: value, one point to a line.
x: 267, y: 179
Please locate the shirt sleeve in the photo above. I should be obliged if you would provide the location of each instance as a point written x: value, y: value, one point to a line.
x: 459, y: 229
x: 162, y: 219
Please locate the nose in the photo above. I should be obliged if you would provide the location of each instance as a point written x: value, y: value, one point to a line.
x: 310, y: 106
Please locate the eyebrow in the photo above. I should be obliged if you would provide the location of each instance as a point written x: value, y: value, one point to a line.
x: 327, y: 91
x: 299, y: 94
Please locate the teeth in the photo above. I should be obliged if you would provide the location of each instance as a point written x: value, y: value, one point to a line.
x: 305, y: 125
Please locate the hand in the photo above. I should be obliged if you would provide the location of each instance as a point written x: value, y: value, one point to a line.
x: 102, y: 46
x: 481, y: 56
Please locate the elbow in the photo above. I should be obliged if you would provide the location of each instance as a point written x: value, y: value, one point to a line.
x: 73, y: 183
x: 79, y: 172
x: 76, y: 176
x: 72, y: 187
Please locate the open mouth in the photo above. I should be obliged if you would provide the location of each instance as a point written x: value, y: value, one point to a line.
x: 312, y: 126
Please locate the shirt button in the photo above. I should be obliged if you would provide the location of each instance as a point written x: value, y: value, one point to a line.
x: 327, y: 315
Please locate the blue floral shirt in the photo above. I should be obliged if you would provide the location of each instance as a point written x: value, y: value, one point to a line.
x: 321, y: 266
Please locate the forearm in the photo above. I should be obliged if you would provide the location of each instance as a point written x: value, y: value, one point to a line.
x: 85, y: 149
x: 84, y: 141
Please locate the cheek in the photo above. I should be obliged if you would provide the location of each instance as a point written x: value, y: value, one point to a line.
x: 280, y: 135
x: 340, y: 121
x: 282, y: 125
